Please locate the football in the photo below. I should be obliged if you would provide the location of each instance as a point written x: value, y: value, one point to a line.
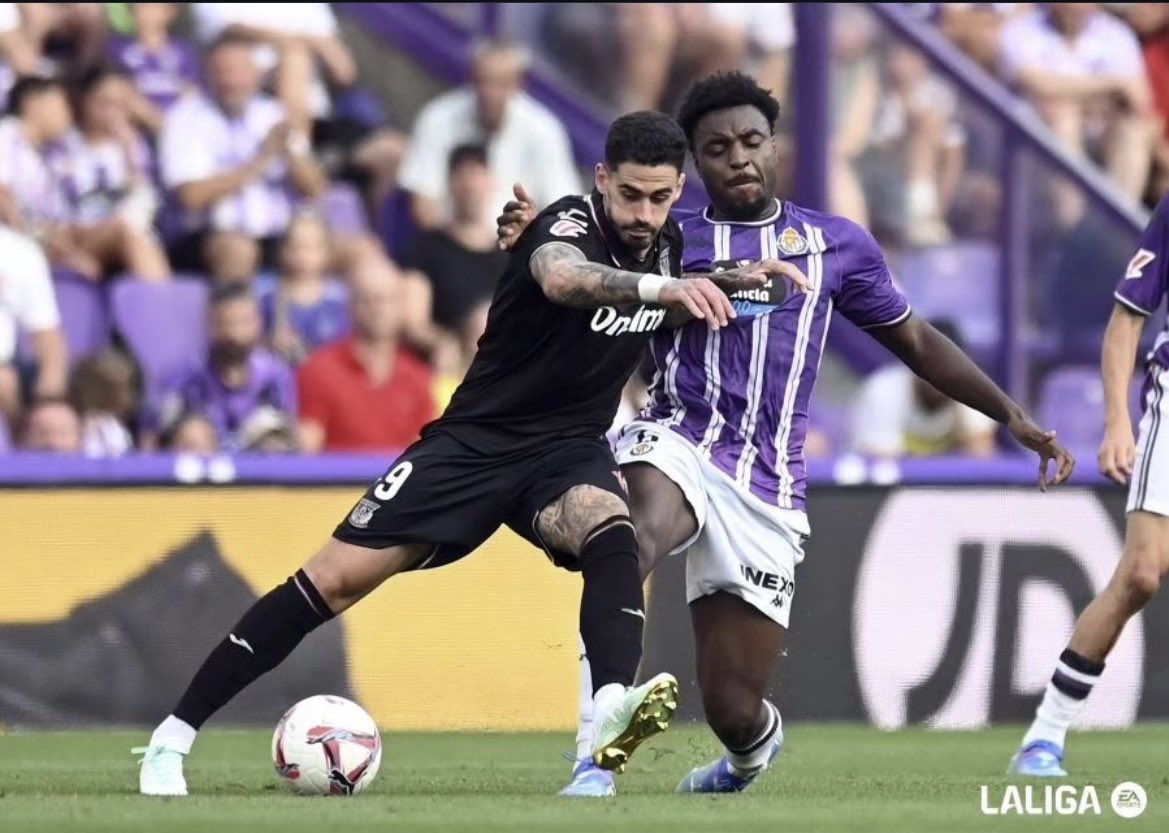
x: 326, y: 745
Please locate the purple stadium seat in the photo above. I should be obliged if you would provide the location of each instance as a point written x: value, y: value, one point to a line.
x: 84, y: 318
x: 164, y: 325
x: 343, y: 211
x: 959, y: 282
x: 1071, y: 402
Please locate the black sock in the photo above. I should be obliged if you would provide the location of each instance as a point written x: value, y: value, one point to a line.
x: 260, y: 641
x: 612, y: 604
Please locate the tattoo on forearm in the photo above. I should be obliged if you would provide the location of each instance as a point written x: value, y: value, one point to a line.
x: 574, y: 281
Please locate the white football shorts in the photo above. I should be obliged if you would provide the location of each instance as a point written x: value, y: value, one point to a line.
x: 1148, y: 489
x: 742, y: 546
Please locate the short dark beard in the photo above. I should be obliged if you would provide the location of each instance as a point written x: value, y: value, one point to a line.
x: 745, y: 213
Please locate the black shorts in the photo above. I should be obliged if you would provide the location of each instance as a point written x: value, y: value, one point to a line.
x: 444, y: 493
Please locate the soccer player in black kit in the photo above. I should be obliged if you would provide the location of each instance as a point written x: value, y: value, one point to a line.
x: 522, y: 444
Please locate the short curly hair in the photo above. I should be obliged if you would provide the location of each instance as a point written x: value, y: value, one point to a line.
x: 645, y: 138
x: 722, y: 91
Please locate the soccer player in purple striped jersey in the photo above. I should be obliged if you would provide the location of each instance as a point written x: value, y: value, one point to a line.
x: 1141, y: 463
x: 715, y: 464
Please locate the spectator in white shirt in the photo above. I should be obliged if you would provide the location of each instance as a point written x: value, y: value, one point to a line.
x: 102, y: 170
x: 898, y: 414
x: 28, y: 306
x: 291, y: 44
x: 104, y: 391
x: 1083, y: 71
x: 315, y: 78
x: 231, y: 158
x: 525, y: 141
x: 31, y: 197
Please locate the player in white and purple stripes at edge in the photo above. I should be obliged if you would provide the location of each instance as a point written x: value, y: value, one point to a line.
x: 1144, y: 465
x: 715, y: 464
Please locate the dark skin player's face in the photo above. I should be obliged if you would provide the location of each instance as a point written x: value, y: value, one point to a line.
x: 735, y: 154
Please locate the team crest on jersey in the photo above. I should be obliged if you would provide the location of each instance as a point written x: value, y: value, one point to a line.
x: 791, y: 242
x: 362, y: 513
x: 1138, y: 263
x: 569, y: 224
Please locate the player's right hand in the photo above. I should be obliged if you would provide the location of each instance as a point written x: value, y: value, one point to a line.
x: 701, y: 298
x: 1118, y: 453
x: 517, y: 215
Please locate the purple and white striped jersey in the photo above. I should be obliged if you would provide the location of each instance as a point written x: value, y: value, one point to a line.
x: 1146, y: 280
x: 740, y: 395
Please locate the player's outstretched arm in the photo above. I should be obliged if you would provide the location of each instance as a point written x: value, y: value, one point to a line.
x: 570, y: 279
x: 1118, y: 450
x: 940, y: 362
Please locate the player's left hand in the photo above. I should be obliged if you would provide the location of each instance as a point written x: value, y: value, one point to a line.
x: 1043, y: 443
x: 517, y: 215
x: 757, y: 274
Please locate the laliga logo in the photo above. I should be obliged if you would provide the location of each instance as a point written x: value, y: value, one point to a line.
x: 965, y: 598
x: 1129, y: 800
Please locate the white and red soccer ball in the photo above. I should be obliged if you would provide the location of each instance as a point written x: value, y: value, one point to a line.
x: 326, y: 745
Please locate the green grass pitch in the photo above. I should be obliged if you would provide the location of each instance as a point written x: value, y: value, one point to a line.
x: 830, y: 778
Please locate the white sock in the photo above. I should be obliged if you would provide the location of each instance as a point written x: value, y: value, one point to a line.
x: 758, y: 751
x: 174, y: 734
x: 584, y: 719
x: 1065, y: 695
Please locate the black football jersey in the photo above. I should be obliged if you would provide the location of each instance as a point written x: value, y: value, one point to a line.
x: 545, y: 371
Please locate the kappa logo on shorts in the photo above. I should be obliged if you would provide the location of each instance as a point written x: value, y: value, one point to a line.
x: 641, y: 448
x: 363, y: 512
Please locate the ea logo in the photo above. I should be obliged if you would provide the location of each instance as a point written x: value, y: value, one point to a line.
x: 965, y: 599
x: 1129, y: 800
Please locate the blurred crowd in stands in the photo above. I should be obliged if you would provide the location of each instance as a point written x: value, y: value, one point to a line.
x: 192, y: 200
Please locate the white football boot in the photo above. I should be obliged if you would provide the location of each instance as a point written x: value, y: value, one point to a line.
x: 162, y: 771
x: 632, y: 718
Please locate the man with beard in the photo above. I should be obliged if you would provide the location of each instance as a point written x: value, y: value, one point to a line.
x: 715, y: 463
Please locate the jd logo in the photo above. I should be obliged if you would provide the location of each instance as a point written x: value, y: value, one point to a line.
x: 965, y: 599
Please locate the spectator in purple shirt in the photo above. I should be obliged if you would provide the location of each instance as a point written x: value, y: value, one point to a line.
x: 162, y: 66
x: 307, y: 308
x: 239, y: 377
